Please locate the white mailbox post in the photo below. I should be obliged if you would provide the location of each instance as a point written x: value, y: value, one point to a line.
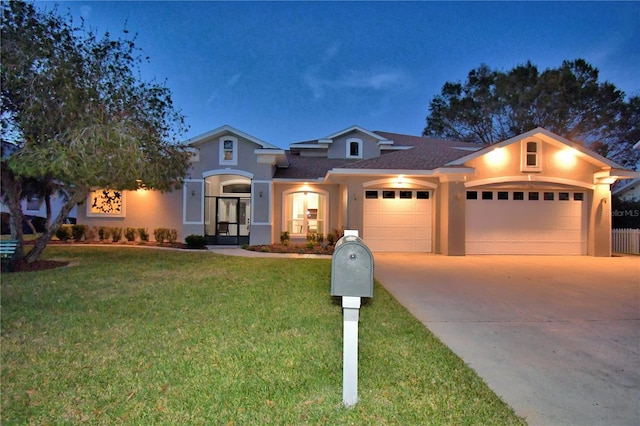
x: 351, y: 278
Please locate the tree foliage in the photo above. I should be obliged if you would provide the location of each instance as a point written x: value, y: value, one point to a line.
x: 491, y: 106
x: 76, y: 115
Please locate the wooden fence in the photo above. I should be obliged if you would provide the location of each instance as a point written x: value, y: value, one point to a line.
x: 625, y: 241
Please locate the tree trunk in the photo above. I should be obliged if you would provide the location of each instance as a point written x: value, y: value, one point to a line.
x: 12, y: 189
x: 41, y: 243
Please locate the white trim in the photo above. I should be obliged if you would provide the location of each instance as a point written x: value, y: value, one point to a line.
x: 226, y: 128
x: 527, y: 179
x: 222, y: 150
x: 348, y: 151
x: 383, y: 172
x: 394, y: 184
x: 524, y: 155
x: 254, y: 197
x: 184, y: 202
x: 226, y: 171
x: 350, y: 129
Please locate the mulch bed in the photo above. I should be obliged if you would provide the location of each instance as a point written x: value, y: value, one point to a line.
x: 38, y: 265
x: 292, y: 248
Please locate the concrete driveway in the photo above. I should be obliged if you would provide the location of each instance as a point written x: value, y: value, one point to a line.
x: 556, y: 337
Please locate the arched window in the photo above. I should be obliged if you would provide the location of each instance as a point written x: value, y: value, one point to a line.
x: 354, y: 148
x: 305, y: 212
x: 531, y: 156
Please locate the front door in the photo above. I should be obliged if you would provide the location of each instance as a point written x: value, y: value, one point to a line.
x: 228, y: 220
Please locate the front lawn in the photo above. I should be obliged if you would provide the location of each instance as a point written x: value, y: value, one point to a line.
x: 143, y: 336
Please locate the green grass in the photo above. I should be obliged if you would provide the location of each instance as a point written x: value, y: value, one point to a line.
x: 142, y: 336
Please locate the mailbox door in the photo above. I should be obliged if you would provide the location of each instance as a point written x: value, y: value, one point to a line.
x: 352, y: 270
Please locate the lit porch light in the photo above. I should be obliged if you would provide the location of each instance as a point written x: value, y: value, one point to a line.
x: 497, y: 157
x: 566, y: 157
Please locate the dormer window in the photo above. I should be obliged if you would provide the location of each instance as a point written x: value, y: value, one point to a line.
x: 354, y: 148
x: 229, y: 150
x: 531, y: 156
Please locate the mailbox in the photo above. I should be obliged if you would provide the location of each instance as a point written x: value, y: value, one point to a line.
x: 351, y: 268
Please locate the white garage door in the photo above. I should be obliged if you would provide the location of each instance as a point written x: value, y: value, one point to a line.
x: 397, y: 220
x: 526, y: 222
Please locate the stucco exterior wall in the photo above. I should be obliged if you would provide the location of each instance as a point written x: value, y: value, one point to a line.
x: 338, y: 148
x: 143, y: 209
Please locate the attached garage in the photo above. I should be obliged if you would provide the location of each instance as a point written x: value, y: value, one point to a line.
x: 526, y: 222
x: 397, y: 220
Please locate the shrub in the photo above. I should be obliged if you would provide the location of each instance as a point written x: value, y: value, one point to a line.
x: 104, y: 233
x: 172, y: 235
x: 311, y: 244
x: 130, y: 234
x: 331, y: 238
x: 319, y: 238
x: 90, y: 233
x: 160, y: 234
x: 116, y: 234
x: 144, y: 234
x: 195, y: 241
x: 64, y: 232
x: 78, y: 232
x: 284, y: 238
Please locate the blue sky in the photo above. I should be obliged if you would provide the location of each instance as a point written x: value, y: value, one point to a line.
x: 293, y: 71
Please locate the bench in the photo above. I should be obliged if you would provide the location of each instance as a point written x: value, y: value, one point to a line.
x: 7, y: 250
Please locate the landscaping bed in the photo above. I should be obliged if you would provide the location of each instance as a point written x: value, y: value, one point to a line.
x: 293, y: 248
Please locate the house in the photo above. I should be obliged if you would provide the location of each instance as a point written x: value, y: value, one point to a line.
x: 629, y: 191
x: 536, y: 193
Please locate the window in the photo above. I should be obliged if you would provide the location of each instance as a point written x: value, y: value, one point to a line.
x: 33, y: 203
x: 228, y: 150
x: 422, y: 195
x: 548, y: 196
x: 406, y: 194
x: 388, y: 194
x: 371, y: 194
x: 578, y: 196
x: 563, y: 196
x: 305, y: 213
x: 472, y: 195
x: 237, y: 188
x: 503, y: 195
x: 354, y: 148
x: 518, y: 195
x: 531, y: 156
x: 487, y: 195
x: 534, y: 196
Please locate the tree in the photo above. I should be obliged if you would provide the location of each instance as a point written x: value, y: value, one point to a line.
x: 491, y: 106
x: 76, y: 116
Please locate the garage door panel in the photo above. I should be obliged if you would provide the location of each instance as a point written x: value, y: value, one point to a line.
x: 526, y: 226
x: 397, y: 224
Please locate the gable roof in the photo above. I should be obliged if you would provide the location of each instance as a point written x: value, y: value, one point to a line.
x: 420, y: 154
x: 546, y: 136
x: 196, y: 140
